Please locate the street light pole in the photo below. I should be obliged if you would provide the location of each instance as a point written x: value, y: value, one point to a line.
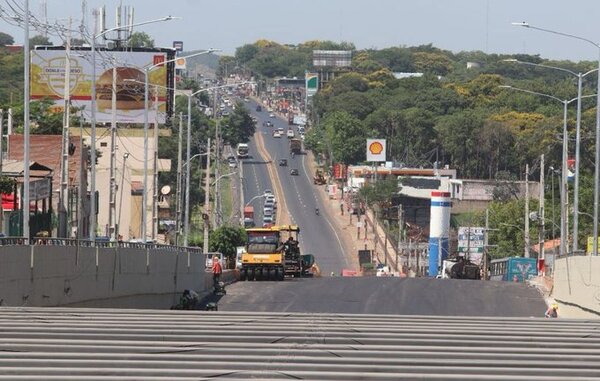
x: 564, y: 185
x: 597, y: 153
x: 146, y: 85
x: 93, y: 122
x: 580, y: 77
x: 25, y: 197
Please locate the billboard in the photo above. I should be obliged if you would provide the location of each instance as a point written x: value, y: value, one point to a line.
x: 375, y: 149
x: 471, y: 242
x: 312, y: 83
x: 48, y: 79
x: 332, y: 58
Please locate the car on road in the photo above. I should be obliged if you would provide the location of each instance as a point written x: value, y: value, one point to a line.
x: 232, y: 162
x: 294, y: 172
x: 271, y: 115
x: 267, y: 221
x: 267, y: 191
x: 268, y: 210
x: 283, y: 162
x: 290, y: 133
x: 276, y: 134
x: 268, y: 123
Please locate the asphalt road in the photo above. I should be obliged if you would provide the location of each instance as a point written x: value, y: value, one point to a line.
x: 389, y: 295
x: 318, y: 235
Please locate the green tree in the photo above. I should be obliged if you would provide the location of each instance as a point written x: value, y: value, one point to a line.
x: 6, y: 39
x: 39, y: 40
x: 345, y: 137
x: 238, y: 127
x: 380, y: 192
x: 140, y: 40
x: 225, y: 239
x: 227, y: 65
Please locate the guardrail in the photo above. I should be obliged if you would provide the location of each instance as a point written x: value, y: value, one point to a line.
x: 52, y: 241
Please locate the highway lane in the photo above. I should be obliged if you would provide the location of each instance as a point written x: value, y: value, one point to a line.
x: 386, y: 295
x: 256, y: 179
x: 318, y: 235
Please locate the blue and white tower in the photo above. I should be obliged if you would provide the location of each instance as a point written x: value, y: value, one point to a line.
x: 439, y: 227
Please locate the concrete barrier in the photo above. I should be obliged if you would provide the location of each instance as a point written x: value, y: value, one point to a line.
x: 46, y: 275
x: 577, y: 282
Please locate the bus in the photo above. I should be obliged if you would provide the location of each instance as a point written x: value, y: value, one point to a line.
x: 513, y: 269
x: 242, y: 150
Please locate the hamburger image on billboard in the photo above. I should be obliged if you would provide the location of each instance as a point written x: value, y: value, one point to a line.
x: 129, y: 87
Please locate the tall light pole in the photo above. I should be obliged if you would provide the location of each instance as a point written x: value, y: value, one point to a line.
x: 25, y: 197
x: 146, y: 86
x: 93, y: 120
x: 580, y: 77
x: 188, y: 144
x: 564, y: 185
x: 597, y: 155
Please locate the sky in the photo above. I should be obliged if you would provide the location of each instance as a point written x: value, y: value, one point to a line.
x: 455, y: 25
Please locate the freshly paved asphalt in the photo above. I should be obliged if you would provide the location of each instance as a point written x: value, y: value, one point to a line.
x: 389, y: 295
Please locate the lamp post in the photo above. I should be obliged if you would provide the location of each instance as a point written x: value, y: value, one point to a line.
x: 118, y: 225
x: 188, y: 147
x: 597, y: 154
x: 564, y: 185
x: 146, y: 85
x: 577, y: 140
x: 93, y: 120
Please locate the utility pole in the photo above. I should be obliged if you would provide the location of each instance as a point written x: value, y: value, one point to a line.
x: 526, y: 211
x: 542, y: 218
x: 155, y: 172
x: 179, y: 169
x: 64, y: 167
x: 113, y: 158
x: 206, y: 199
x: 217, y: 143
x: 400, y: 231
x: 485, y: 244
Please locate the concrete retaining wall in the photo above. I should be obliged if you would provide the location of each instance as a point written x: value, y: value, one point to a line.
x: 100, y: 277
x: 577, y: 282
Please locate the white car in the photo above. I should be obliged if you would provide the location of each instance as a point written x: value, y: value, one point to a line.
x: 290, y: 133
x: 271, y: 115
x: 276, y: 134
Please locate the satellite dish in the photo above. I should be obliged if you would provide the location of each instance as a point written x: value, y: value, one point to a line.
x: 165, y: 190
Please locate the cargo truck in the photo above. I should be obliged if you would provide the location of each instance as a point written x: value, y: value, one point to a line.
x: 248, y: 216
x: 295, y: 146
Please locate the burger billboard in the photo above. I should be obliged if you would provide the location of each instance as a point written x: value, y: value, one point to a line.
x: 48, y: 80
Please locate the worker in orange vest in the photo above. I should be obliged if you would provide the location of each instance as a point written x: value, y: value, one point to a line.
x: 217, y: 270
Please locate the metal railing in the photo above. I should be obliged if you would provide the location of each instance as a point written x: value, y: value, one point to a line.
x: 19, y: 241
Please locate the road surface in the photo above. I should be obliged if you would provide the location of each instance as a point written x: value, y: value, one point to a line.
x: 318, y: 235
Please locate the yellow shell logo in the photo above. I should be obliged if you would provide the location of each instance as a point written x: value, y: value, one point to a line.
x: 375, y: 148
x: 180, y: 61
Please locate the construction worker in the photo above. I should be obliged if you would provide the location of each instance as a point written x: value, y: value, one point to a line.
x: 217, y: 270
x: 552, y: 311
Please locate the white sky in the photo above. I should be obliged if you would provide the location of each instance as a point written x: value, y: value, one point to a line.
x: 456, y: 25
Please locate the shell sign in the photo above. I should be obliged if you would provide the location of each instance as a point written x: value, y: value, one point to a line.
x: 375, y: 149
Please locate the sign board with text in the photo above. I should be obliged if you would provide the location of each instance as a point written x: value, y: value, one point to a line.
x: 48, y: 81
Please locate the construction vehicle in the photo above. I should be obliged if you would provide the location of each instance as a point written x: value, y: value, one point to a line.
x: 272, y: 253
x: 319, y: 179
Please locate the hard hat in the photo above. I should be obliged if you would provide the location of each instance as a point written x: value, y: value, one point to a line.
x: 554, y: 305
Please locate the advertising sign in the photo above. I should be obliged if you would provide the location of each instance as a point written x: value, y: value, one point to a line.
x: 312, y: 83
x: 339, y: 171
x: 471, y: 242
x: 48, y: 78
x: 375, y: 149
x: 178, y: 45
